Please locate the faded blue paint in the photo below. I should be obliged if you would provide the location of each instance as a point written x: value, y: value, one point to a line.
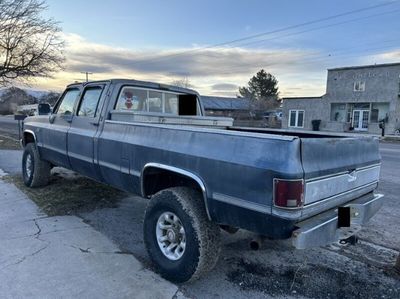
x: 232, y: 164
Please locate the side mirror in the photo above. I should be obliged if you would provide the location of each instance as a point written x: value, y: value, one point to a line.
x: 44, y: 109
x: 52, y: 117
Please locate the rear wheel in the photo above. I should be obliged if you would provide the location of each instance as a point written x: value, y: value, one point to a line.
x: 179, y: 238
x: 35, y: 172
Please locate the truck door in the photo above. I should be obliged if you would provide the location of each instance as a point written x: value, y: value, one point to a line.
x: 82, y: 134
x: 54, y: 136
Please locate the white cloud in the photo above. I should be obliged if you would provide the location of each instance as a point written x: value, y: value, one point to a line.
x: 390, y: 56
x: 205, y: 67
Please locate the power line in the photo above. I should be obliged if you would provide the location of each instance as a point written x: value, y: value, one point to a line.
x: 313, y: 29
x: 310, y: 57
x: 316, y: 59
x: 270, y: 32
x: 320, y: 27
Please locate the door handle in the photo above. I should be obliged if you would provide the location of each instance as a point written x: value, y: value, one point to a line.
x: 94, y: 123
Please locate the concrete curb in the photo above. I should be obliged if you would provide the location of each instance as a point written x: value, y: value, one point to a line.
x: 63, y: 257
x: 390, y: 138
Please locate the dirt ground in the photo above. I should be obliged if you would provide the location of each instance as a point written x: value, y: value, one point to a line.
x: 9, y: 143
x: 69, y: 193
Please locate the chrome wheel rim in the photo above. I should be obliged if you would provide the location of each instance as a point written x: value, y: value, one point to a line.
x: 171, y: 237
x: 28, y: 166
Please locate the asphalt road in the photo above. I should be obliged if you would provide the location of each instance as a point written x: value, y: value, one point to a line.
x: 8, y: 125
x: 277, y: 270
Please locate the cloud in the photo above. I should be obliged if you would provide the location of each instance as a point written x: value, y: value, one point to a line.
x: 207, y: 68
x: 224, y: 87
x: 390, y: 56
x: 177, y: 62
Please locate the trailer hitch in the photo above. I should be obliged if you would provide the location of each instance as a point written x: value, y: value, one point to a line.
x: 352, y: 240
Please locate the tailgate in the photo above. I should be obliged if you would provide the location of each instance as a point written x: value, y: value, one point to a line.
x: 334, y: 166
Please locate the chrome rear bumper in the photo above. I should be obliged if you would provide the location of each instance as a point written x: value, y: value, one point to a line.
x: 323, y: 229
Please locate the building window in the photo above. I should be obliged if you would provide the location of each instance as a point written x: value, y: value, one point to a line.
x: 359, y: 86
x: 379, y: 112
x: 338, y: 112
x: 296, y: 118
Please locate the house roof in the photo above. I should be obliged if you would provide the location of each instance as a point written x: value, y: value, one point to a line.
x: 224, y: 103
x: 364, y: 66
x: 302, y: 98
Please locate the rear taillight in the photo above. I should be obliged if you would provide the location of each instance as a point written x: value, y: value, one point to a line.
x: 288, y: 194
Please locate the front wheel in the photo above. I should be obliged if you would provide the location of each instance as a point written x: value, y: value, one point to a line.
x: 179, y: 238
x: 35, y: 172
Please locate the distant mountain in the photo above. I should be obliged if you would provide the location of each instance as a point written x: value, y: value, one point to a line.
x: 12, y: 97
x: 36, y: 93
x: 33, y: 92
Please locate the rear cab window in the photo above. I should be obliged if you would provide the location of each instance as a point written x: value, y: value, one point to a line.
x: 137, y: 99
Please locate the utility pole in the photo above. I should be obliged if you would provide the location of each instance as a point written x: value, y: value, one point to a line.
x: 87, y: 75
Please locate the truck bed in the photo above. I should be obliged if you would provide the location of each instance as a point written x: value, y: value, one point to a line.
x: 331, y: 164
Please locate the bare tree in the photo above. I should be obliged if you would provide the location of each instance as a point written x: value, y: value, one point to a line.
x: 30, y: 45
x: 184, y: 82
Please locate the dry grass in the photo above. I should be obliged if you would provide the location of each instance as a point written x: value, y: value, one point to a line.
x: 70, y: 194
x: 9, y: 143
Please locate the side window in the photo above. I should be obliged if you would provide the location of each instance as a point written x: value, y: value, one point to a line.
x: 296, y: 118
x: 132, y: 99
x: 292, y: 119
x: 155, y: 102
x: 171, y: 103
x: 90, y: 101
x: 68, y: 101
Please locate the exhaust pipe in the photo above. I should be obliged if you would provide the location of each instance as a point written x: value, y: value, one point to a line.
x: 256, y: 243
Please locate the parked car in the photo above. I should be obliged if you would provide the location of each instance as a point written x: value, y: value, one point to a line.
x: 200, y: 174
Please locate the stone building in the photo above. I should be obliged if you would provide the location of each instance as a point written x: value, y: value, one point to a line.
x: 357, y: 99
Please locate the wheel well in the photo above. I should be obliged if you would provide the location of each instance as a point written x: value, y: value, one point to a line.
x: 28, y: 138
x: 156, y: 179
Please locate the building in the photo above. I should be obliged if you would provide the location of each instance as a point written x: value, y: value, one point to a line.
x: 223, y: 106
x: 357, y: 99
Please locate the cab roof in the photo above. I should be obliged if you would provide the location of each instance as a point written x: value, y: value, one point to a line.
x: 137, y: 83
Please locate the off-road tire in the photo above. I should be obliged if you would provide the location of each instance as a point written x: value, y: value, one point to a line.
x: 40, y: 172
x: 203, y: 242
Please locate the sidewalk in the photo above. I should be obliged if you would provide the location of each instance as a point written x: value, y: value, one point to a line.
x: 62, y: 257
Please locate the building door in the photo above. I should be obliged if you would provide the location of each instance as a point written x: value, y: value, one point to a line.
x: 360, y: 120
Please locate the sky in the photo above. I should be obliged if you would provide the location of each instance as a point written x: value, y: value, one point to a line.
x: 163, y: 41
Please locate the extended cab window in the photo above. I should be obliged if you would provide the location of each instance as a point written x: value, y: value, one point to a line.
x: 90, y: 101
x: 132, y: 99
x: 155, y: 102
x: 68, y: 101
x: 171, y: 103
x: 138, y: 99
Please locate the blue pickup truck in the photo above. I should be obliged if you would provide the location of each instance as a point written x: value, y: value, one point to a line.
x: 201, y: 174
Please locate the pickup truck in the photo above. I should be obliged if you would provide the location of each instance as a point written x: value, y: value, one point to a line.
x: 201, y: 174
